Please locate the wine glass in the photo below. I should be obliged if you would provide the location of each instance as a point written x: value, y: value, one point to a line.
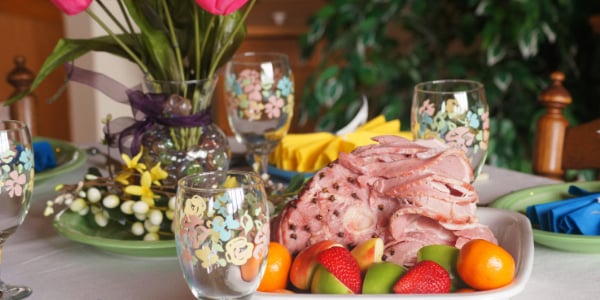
x: 456, y: 112
x: 259, y: 91
x: 16, y: 187
x: 221, y: 227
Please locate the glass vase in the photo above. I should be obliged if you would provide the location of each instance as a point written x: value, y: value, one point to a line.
x: 186, y: 141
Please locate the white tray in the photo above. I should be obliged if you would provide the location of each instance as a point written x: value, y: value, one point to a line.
x: 513, y: 232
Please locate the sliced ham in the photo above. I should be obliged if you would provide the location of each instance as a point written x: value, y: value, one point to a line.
x: 410, y: 194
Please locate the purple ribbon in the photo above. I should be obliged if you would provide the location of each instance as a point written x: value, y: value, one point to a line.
x: 147, y: 110
x: 150, y: 106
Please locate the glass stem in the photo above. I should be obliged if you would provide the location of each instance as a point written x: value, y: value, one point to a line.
x: 261, y: 163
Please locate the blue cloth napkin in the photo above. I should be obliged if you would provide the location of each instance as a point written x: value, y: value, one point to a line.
x: 578, y: 215
x: 43, y: 156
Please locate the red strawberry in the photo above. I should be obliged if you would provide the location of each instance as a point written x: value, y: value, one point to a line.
x: 340, y: 262
x: 426, y: 277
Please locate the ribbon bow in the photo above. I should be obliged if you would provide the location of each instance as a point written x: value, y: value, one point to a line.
x: 148, y: 110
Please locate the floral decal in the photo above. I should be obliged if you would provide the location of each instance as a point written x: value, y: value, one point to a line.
x: 228, y: 227
x: 463, y: 128
x: 257, y: 97
x: 16, y: 165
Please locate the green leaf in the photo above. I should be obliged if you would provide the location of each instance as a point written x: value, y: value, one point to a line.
x: 161, y: 62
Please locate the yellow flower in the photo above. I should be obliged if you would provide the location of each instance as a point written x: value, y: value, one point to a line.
x: 144, y: 190
x: 158, y: 174
x: 133, y: 163
x: 123, y: 177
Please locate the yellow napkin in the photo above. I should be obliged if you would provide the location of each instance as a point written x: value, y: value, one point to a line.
x: 309, y: 152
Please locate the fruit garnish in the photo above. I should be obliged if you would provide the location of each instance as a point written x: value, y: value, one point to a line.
x: 446, y: 256
x: 484, y: 265
x: 425, y: 277
x: 340, y: 263
x: 305, y: 263
x: 368, y: 252
x: 381, y: 277
x: 279, y: 261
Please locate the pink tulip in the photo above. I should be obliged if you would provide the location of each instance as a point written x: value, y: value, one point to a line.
x: 221, y: 7
x: 72, y: 7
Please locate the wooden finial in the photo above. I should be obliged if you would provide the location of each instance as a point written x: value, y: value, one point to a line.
x: 25, y: 109
x: 551, y: 128
x: 556, y: 94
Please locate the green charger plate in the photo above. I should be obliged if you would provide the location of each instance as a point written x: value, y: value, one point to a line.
x: 111, y: 238
x: 68, y: 158
x: 520, y: 200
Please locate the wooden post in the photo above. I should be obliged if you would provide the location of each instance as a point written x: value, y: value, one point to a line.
x: 25, y: 109
x: 550, y: 129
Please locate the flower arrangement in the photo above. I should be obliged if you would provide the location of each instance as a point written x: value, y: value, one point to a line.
x: 139, y: 200
x: 136, y: 198
x: 174, y: 41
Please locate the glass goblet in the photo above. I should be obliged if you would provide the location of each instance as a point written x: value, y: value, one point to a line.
x: 16, y: 188
x: 221, y: 227
x: 456, y: 112
x: 259, y: 91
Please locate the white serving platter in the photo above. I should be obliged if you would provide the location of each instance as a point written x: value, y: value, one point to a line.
x: 513, y: 231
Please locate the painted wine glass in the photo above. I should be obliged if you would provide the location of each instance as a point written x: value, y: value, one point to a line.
x: 16, y: 187
x: 456, y: 112
x: 221, y: 227
x: 259, y: 89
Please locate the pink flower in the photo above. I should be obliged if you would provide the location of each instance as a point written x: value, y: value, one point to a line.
x: 72, y: 7
x: 250, y: 82
x: 221, y: 7
x: 14, y: 185
x: 273, y: 108
x: 461, y: 138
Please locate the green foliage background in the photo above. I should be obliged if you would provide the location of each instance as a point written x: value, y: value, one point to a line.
x: 382, y: 48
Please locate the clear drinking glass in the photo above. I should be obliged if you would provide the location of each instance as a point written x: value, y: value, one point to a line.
x: 221, y: 227
x: 16, y: 187
x: 456, y: 112
x: 259, y: 89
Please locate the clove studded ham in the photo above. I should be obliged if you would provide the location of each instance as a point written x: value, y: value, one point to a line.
x: 410, y: 194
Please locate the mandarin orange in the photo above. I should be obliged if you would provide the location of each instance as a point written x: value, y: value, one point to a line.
x: 279, y: 261
x: 484, y: 265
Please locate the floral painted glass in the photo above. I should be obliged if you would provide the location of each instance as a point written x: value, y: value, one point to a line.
x: 259, y: 89
x: 221, y: 227
x: 16, y: 188
x: 457, y: 113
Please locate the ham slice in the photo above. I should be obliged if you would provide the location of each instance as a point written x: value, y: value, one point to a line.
x: 410, y: 194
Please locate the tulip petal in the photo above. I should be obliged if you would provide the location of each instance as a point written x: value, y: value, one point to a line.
x: 221, y: 7
x: 72, y: 7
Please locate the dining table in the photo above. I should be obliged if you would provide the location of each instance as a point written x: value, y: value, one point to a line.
x: 56, y: 267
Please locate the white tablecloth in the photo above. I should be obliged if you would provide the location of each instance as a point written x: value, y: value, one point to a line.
x: 58, y: 268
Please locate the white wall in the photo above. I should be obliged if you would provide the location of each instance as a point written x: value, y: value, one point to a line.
x: 89, y: 106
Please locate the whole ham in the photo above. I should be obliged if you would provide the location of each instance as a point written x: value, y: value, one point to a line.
x: 410, y: 194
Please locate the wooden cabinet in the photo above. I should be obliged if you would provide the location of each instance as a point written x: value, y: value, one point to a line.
x: 31, y: 28
x: 276, y: 26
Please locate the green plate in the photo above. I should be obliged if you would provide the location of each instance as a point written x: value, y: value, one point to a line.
x: 112, y: 239
x: 68, y: 158
x: 519, y: 200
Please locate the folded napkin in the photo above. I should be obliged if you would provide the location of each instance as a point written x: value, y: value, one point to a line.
x: 309, y: 152
x: 43, y: 156
x: 578, y: 215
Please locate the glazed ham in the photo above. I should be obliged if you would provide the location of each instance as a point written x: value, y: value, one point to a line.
x: 410, y: 194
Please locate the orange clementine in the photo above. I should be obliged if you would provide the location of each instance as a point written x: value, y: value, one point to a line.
x: 484, y: 265
x: 279, y: 261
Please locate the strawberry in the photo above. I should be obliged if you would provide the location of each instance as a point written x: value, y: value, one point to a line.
x: 426, y: 277
x: 340, y: 262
